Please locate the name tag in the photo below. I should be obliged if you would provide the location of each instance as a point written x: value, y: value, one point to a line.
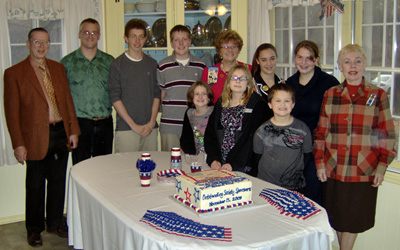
x: 371, y: 100
x: 247, y: 110
x: 212, y: 75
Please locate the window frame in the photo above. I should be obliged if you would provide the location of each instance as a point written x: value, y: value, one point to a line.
x: 35, y: 23
x: 289, y: 68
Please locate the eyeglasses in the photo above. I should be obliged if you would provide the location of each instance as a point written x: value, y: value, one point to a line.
x: 134, y: 37
x: 242, y: 79
x: 40, y: 42
x: 229, y: 47
x: 88, y: 33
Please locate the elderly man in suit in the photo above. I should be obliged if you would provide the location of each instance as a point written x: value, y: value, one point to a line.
x: 43, y: 127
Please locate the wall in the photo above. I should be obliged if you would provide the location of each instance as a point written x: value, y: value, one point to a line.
x: 12, y: 193
x: 385, y: 234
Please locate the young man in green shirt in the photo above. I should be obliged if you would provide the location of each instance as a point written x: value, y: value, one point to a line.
x: 87, y: 71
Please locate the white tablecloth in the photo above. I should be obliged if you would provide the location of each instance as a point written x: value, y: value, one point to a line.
x: 106, y: 202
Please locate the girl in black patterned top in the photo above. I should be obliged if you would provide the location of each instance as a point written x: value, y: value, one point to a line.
x: 237, y: 114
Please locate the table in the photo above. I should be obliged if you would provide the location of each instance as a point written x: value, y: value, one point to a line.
x: 106, y: 202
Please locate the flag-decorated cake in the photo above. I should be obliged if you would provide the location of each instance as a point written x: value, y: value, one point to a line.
x: 213, y: 190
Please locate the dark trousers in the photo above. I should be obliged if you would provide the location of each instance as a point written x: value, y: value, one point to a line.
x: 96, y: 139
x: 313, y: 185
x: 53, y: 169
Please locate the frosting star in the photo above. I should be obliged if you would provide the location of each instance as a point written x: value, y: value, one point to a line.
x: 188, y: 194
x: 196, y: 195
x: 178, y: 186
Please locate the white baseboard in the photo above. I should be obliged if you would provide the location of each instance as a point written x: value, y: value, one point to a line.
x: 12, y: 219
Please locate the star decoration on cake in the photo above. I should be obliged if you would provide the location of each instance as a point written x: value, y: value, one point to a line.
x: 196, y: 195
x: 178, y: 185
x: 188, y: 194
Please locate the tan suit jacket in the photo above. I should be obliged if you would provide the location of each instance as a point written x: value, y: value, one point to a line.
x: 27, y: 111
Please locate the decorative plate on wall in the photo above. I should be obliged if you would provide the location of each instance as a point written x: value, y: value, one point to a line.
x: 227, y: 25
x: 159, y: 30
x: 212, y: 29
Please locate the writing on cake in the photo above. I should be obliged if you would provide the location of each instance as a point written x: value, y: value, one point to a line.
x: 213, y: 190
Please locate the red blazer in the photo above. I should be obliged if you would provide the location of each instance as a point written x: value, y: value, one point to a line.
x: 27, y: 111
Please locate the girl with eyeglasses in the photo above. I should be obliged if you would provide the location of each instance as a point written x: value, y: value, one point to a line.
x: 228, y: 45
x: 237, y: 114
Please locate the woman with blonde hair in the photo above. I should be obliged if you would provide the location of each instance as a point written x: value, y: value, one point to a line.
x: 354, y: 144
x: 237, y: 114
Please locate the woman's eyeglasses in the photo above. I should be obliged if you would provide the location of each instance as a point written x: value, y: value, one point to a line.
x: 229, y: 47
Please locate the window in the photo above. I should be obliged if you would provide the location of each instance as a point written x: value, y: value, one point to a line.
x: 294, y: 24
x: 380, y: 37
x: 374, y: 24
x: 22, y: 16
x: 19, y: 30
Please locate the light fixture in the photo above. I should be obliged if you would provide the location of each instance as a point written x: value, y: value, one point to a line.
x: 212, y: 9
x: 221, y: 10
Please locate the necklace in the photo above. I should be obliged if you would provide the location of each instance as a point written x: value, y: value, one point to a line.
x: 222, y: 67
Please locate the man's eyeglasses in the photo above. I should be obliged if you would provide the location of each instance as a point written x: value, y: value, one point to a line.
x: 229, y: 47
x: 242, y: 79
x: 88, y: 33
x: 40, y: 42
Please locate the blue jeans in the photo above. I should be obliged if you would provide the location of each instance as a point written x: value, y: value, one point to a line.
x: 96, y: 139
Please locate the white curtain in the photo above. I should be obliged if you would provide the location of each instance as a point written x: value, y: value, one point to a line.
x: 7, y: 152
x: 75, y: 12
x: 71, y: 11
x: 259, y: 30
x: 286, y: 3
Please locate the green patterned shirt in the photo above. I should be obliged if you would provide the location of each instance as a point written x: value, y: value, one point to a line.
x: 88, y: 83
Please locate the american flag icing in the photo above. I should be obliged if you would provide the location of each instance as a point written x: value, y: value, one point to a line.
x: 172, y: 223
x: 290, y: 203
